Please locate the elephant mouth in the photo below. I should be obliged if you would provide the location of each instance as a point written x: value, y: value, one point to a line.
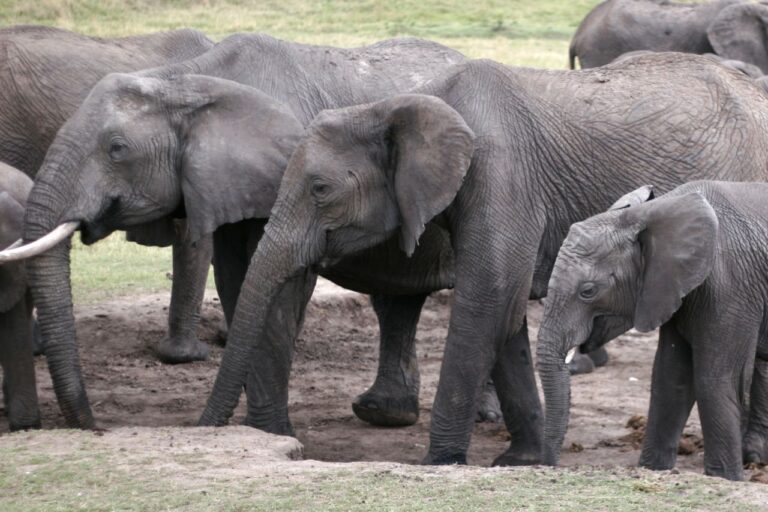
x: 103, y: 224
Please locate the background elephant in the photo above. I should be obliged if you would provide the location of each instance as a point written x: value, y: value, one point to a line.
x: 482, y: 147
x: 164, y: 143
x: 45, y: 73
x: 19, y: 389
x: 692, y: 262
x: 620, y: 26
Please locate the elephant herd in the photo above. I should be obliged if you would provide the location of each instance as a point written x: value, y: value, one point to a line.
x: 398, y: 169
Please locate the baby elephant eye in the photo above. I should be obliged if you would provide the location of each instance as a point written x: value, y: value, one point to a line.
x: 587, y: 291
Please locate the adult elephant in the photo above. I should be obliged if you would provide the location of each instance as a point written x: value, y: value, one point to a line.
x: 504, y: 160
x: 208, y: 140
x: 45, y: 73
x: 19, y: 389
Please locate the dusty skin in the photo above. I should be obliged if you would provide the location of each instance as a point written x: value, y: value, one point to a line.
x: 335, y: 360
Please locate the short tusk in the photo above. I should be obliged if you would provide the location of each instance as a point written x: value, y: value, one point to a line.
x: 569, y: 355
x: 14, y: 252
x: 14, y: 245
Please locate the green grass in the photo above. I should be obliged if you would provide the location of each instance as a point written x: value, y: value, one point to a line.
x: 517, y: 32
x: 77, y: 472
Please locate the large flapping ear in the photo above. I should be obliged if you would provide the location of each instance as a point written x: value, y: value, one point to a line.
x: 677, y: 236
x: 237, y: 142
x: 429, y: 148
x: 637, y: 196
x: 12, y: 275
x: 740, y: 32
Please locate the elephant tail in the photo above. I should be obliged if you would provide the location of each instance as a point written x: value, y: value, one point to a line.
x: 572, y: 55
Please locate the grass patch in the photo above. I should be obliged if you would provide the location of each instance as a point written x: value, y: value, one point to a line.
x: 79, y: 474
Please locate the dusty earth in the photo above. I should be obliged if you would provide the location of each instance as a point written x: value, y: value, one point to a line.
x: 335, y: 360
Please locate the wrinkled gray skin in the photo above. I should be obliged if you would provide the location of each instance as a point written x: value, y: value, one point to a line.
x: 695, y: 263
x: 19, y: 389
x: 482, y: 146
x: 732, y: 29
x: 45, y: 73
x: 208, y: 140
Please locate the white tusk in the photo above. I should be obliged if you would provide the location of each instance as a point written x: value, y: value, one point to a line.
x: 569, y: 355
x: 40, y: 245
x: 14, y: 245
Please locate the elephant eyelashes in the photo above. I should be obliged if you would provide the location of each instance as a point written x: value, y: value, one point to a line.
x: 587, y: 291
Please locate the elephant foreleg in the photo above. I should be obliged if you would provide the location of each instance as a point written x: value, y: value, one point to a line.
x: 393, y: 399
x: 19, y: 387
x: 190, y: 272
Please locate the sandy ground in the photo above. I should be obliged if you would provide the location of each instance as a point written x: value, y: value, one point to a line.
x: 336, y: 359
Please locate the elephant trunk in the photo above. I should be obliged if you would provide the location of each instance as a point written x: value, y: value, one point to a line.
x: 49, y: 281
x: 556, y: 382
x: 281, y: 261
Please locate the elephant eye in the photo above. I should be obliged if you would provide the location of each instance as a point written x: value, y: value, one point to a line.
x: 587, y: 291
x: 117, y: 150
x: 319, y: 189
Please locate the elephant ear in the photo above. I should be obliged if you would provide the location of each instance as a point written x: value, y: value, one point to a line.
x: 637, y: 196
x: 12, y: 275
x: 739, y: 32
x: 677, y: 236
x: 429, y: 148
x: 237, y: 141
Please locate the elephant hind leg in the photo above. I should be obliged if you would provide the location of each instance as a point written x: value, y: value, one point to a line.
x: 393, y: 399
x: 755, y: 445
x: 16, y: 359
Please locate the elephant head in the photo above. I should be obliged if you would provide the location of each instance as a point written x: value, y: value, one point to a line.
x: 626, y: 267
x: 137, y: 152
x: 740, y: 32
x: 361, y: 175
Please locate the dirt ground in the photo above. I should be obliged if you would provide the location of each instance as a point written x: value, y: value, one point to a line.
x: 335, y: 360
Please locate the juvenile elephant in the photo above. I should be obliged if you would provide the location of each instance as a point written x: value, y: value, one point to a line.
x: 733, y: 29
x: 45, y: 73
x: 695, y: 263
x: 19, y: 389
x: 208, y: 140
x: 501, y: 161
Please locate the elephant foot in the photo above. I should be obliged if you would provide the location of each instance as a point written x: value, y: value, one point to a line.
x: 377, y: 407
x: 515, y: 458
x: 445, y: 460
x: 489, y: 408
x: 581, y: 364
x: 599, y: 357
x: 755, y: 450
x: 280, y: 428
x: 34, y: 424
x: 179, y: 351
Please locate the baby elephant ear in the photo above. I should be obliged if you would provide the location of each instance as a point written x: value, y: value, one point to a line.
x: 677, y: 237
x: 637, y: 196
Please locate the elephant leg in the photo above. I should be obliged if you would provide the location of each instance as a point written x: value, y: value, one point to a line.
x: 393, y: 399
x: 672, y: 397
x: 283, y: 326
x: 514, y: 379
x: 587, y: 362
x: 190, y: 272
x: 17, y: 361
x: 755, y: 446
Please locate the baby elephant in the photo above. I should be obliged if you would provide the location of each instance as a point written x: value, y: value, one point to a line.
x: 695, y: 262
x: 19, y: 389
